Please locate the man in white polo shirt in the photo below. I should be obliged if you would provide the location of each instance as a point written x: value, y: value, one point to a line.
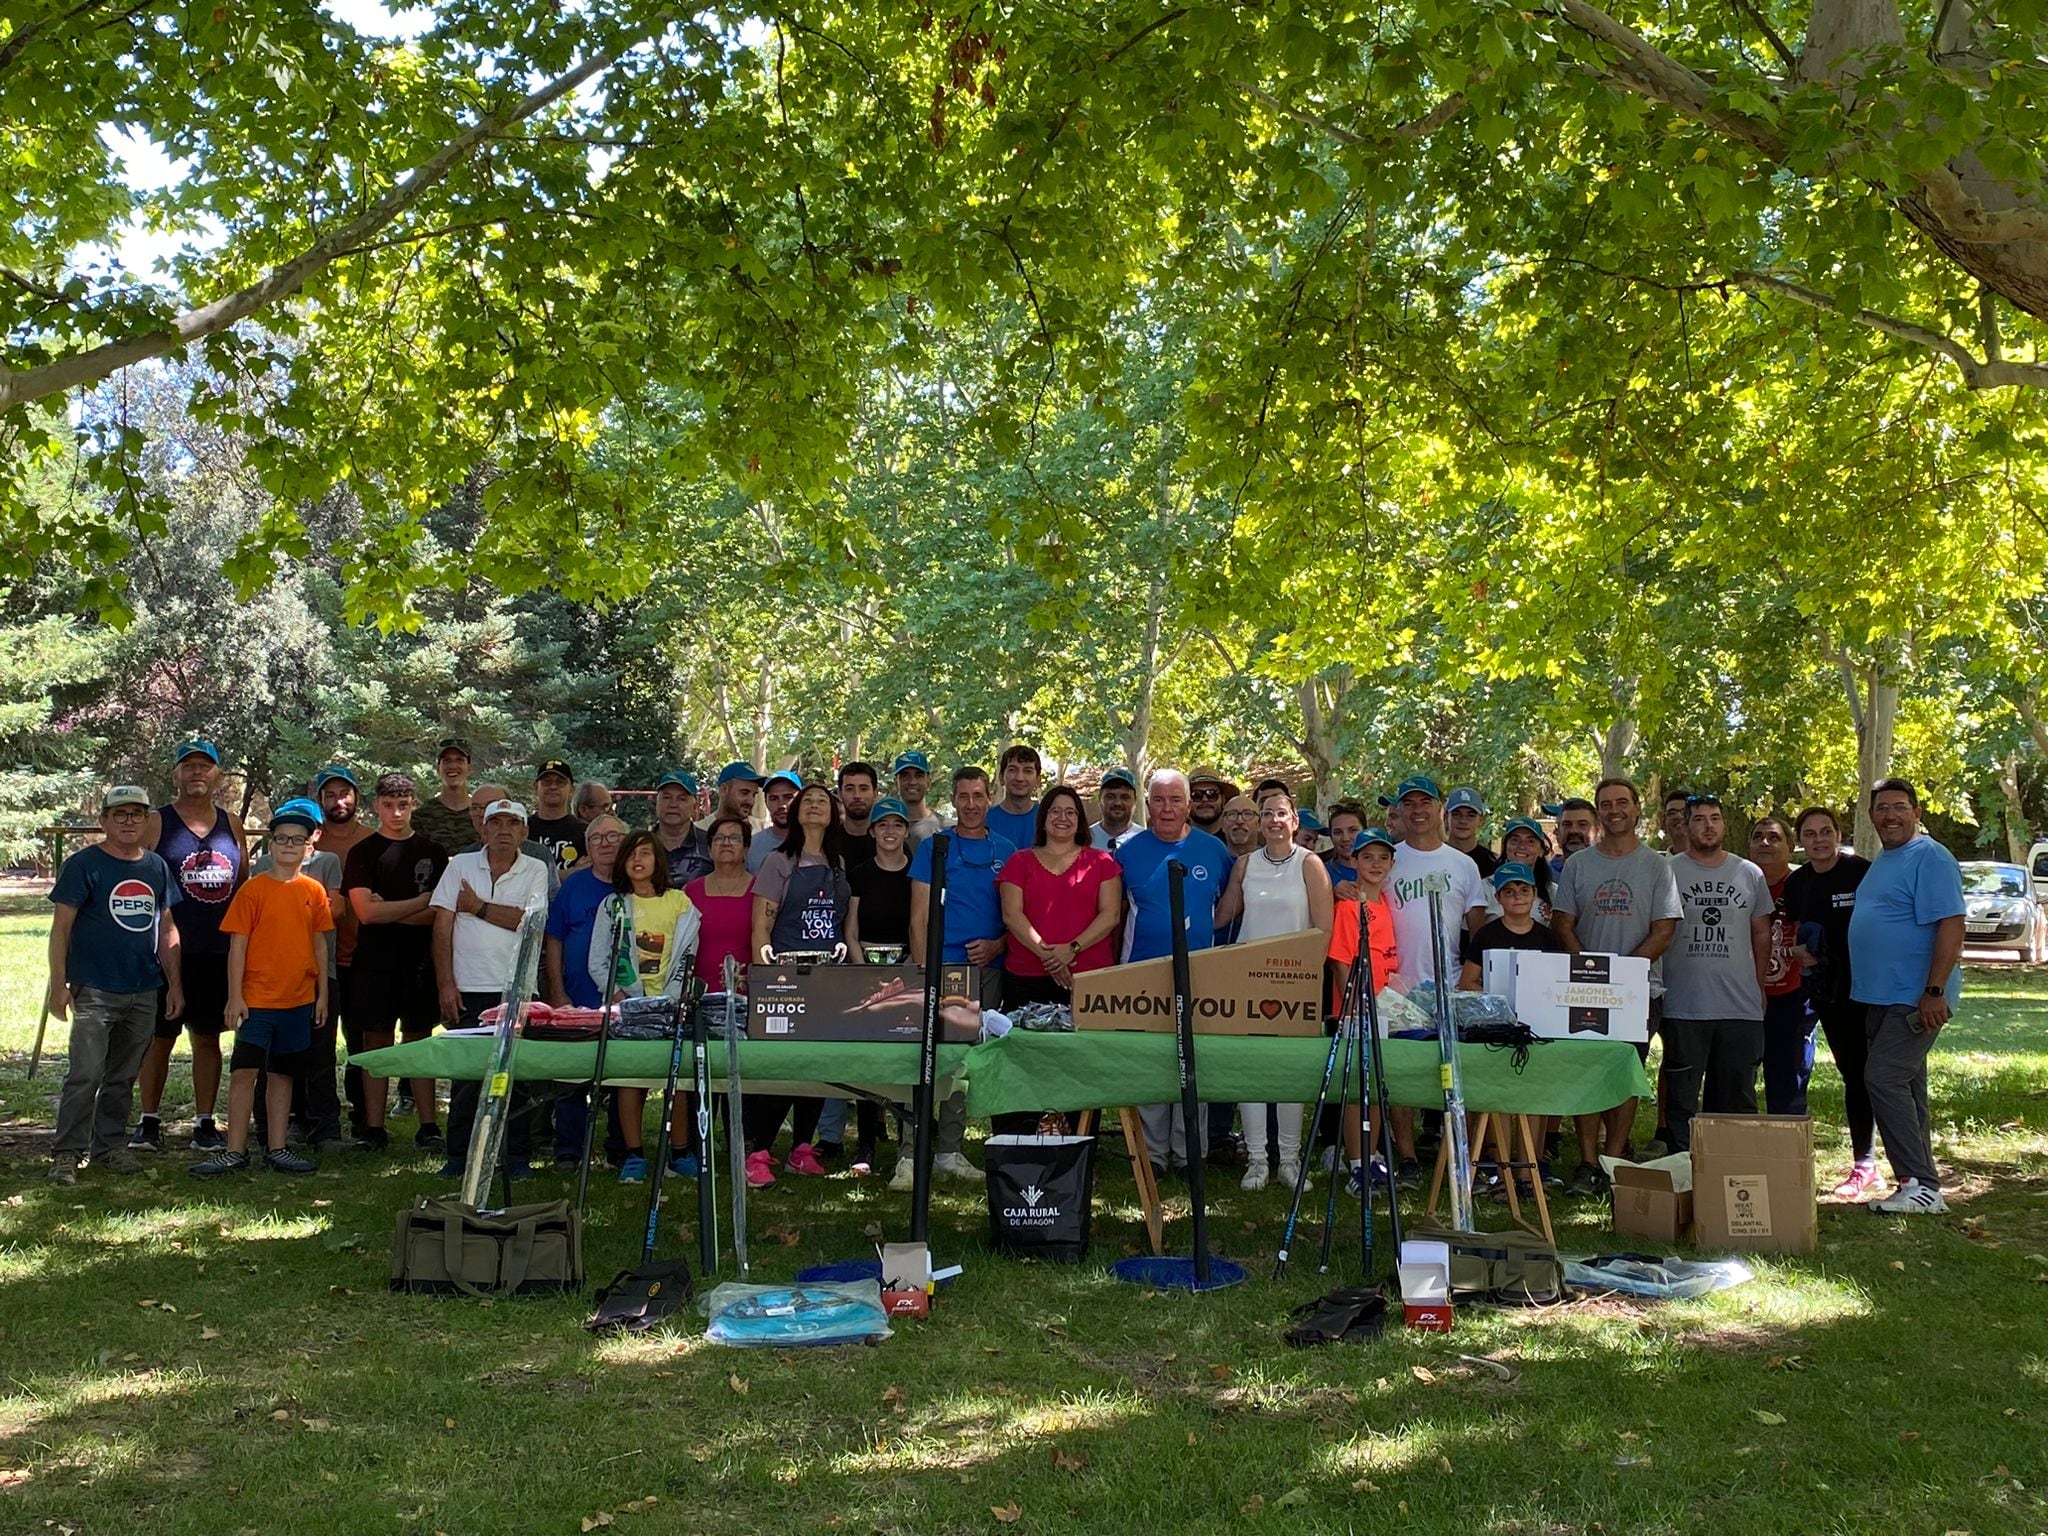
x: 482, y: 898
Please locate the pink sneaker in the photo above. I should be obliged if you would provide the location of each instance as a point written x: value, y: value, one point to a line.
x: 759, y: 1173
x: 1862, y: 1180
x: 805, y: 1161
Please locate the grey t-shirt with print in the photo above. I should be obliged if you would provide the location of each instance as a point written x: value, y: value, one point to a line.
x: 1710, y: 969
x: 1613, y: 901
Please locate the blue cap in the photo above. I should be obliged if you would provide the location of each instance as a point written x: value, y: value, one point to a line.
x: 195, y: 748
x: 1309, y: 821
x: 1413, y: 784
x: 738, y: 773
x: 915, y: 760
x: 1513, y: 873
x: 787, y: 776
x: 889, y: 805
x: 300, y: 811
x: 1465, y: 800
x: 678, y: 778
x: 1119, y: 776
x: 1374, y: 836
x: 1523, y: 824
x: 334, y: 771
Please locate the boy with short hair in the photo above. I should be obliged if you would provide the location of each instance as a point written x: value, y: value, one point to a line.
x: 111, y: 949
x: 277, y: 987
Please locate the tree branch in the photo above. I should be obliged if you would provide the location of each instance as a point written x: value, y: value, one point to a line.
x: 17, y: 387
x: 1649, y: 70
x: 1414, y: 128
x: 1785, y: 55
x: 1995, y: 373
x: 1970, y: 221
x: 28, y: 284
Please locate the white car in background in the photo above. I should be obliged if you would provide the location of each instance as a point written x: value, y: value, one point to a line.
x: 2000, y: 911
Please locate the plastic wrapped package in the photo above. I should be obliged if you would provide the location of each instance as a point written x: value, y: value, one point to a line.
x: 1654, y: 1277
x: 795, y: 1315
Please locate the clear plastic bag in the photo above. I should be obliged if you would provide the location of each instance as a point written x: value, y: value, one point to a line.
x: 1654, y: 1278
x: 795, y: 1315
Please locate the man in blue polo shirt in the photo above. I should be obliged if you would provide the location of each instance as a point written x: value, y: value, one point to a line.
x: 974, y: 933
x: 1148, y: 925
x: 1015, y: 816
x: 1905, y: 949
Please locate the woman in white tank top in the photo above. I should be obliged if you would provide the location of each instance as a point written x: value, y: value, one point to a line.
x: 1277, y: 888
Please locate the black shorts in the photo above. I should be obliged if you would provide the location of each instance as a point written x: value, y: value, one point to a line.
x: 205, y: 979
x: 250, y: 1057
x: 383, y: 1000
x: 1656, y: 1023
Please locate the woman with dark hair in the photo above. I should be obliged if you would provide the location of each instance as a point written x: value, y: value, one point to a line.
x: 802, y: 903
x: 1820, y: 896
x: 1062, y: 898
x: 1522, y: 842
x: 660, y: 937
x: 725, y: 897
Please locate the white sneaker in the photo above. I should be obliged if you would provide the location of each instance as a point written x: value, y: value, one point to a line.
x: 1289, y: 1172
x: 954, y: 1166
x: 1254, y: 1176
x: 905, y: 1177
x: 1330, y: 1158
x: 1911, y: 1198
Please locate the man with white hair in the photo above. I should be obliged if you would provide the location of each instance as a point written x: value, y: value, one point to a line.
x: 1148, y: 923
x: 480, y: 901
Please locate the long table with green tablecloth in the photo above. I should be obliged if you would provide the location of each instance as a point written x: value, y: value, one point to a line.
x: 1085, y: 1070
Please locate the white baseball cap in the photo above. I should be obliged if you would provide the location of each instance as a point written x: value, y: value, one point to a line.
x: 125, y: 794
x: 504, y: 808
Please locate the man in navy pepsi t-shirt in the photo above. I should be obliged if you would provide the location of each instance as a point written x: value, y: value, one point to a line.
x: 1148, y: 918
x: 110, y: 951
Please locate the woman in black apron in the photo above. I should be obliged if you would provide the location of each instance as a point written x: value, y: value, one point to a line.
x: 802, y: 905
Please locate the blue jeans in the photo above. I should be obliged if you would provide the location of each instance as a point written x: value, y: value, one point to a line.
x: 1788, y: 1053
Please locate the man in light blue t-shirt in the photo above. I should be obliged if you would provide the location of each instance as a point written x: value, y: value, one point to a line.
x: 1015, y: 816
x: 1905, y: 945
x: 1148, y: 923
x: 974, y: 935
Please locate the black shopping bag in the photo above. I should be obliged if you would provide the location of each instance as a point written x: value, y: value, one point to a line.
x: 1041, y: 1195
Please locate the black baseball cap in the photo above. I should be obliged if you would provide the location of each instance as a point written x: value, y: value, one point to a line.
x: 554, y: 765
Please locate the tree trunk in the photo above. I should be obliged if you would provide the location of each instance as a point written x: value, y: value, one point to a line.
x: 1319, y: 731
x: 1873, y: 693
x: 764, y: 713
x: 1138, y: 727
x: 2018, y: 836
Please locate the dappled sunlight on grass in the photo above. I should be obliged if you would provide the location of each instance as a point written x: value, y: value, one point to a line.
x: 35, y: 1401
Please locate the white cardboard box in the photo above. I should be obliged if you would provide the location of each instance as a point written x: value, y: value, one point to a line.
x: 1574, y: 997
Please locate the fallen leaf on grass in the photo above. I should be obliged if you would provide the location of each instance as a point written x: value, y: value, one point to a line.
x: 1219, y: 1372
x: 789, y: 1237
x: 130, y: 1358
x: 1252, y: 1505
x: 147, y: 1301
x: 700, y: 1454
x: 1008, y: 1513
x: 1899, y: 1264
x: 737, y: 1382
x: 1191, y: 1438
x: 1423, y: 1374
x: 1443, y: 1465
x: 317, y: 1426
x: 321, y: 1205
x: 592, y: 1522
x: 1785, y: 1363
x: 209, y: 1333
x: 1365, y: 1485
x: 638, y: 1506
x: 1908, y: 1436
x: 280, y: 1414
x: 894, y: 1394
x: 1765, y: 1416
x: 1169, y: 1357
x: 339, y: 1290
x: 1291, y: 1498
x: 1064, y: 1460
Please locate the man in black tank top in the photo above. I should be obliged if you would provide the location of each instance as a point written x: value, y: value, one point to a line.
x: 208, y: 857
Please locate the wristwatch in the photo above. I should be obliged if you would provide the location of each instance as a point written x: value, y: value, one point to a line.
x: 1934, y: 992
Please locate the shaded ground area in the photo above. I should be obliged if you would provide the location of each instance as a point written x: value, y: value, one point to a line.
x: 177, y: 1357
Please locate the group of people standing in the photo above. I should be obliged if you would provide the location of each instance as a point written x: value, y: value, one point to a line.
x: 365, y: 933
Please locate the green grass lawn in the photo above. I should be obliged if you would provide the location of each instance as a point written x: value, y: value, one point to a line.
x: 227, y: 1358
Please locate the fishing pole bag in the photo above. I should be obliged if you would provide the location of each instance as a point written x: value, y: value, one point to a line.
x: 1506, y: 1269
x: 444, y: 1248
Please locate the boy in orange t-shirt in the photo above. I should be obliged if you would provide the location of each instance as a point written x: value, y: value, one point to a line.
x: 1372, y: 854
x: 277, y: 987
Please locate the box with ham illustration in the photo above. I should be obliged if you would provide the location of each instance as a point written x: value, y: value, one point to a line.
x: 1573, y: 997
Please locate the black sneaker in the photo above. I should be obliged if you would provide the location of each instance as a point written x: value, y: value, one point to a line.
x: 372, y: 1138
x: 222, y: 1161
x: 567, y: 1162
x: 829, y: 1151
x: 148, y: 1135
x: 1409, y: 1174
x: 1588, y: 1182
x: 403, y: 1105
x: 428, y: 1138
x: 206, y: 1136
x: 284, y: 1160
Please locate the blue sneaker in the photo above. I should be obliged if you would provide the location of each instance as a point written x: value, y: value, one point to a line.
x: 633, y: 1170
x: 684, y: 1167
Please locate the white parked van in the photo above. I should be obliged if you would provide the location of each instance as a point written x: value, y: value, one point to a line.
x: 2037, y: 870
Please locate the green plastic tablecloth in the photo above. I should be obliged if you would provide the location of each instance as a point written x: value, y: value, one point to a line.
x: 1087, y: 1070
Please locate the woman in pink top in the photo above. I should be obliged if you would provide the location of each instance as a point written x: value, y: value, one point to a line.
x: 725, y: 899
x: 1061, y: 901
